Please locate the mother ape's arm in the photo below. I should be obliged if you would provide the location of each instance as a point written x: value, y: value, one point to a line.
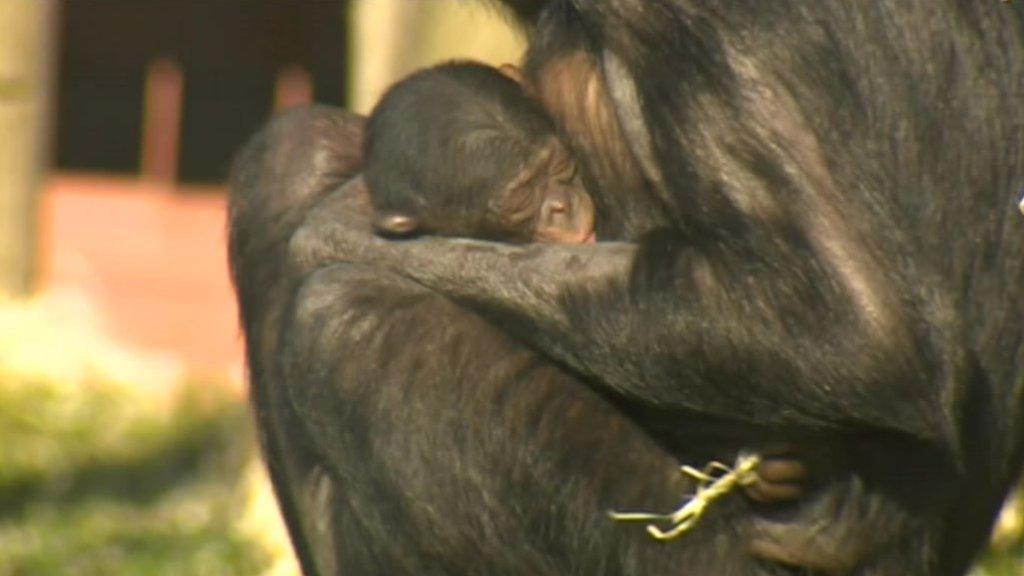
x: 784, y: 319
x: 750, y: 324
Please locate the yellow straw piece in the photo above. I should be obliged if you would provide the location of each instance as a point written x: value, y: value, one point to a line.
x: 713, y: 481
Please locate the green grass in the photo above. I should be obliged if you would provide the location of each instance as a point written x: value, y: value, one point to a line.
x: 98, y: 479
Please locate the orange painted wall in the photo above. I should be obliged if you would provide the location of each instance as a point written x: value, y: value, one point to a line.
x: 151, y: 260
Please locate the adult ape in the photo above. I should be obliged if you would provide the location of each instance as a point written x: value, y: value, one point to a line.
x: 389, y: 457
x: 461, y: 150
x: 790, y: 178
x: 357, y: 470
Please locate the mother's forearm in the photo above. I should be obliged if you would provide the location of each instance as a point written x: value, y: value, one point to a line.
x: 740, y: 326
x: 526, y: 288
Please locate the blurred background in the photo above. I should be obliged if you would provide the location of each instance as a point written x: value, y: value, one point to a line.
x: 125, y: 439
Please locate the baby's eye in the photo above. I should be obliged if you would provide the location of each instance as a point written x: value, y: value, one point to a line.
x: 567, y: 177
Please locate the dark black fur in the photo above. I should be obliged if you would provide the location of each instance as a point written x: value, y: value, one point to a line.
x: 444, y: 141
x: 828, y: 254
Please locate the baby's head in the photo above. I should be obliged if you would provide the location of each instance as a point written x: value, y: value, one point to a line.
x: 461, y: 150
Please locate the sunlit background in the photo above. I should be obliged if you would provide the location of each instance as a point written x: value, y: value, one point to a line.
x: 125, y: 440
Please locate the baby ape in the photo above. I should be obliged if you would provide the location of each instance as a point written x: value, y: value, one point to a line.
x: 461, y: 150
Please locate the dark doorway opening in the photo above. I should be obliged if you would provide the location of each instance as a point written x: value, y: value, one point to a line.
x: 230, y: 52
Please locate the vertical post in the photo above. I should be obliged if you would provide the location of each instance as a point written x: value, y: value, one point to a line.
x: 391, y: 38
x: 161, y: 121
x: 27, y: 46
x: 293, y: 87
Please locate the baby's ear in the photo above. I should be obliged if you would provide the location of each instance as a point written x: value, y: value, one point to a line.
x: 396, y: 225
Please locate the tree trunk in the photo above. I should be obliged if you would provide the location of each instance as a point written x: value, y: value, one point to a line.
x: 26, y: 53
x: 391, y: 38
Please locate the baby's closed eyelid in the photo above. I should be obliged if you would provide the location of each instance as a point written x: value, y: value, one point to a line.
x: 566, y: 174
